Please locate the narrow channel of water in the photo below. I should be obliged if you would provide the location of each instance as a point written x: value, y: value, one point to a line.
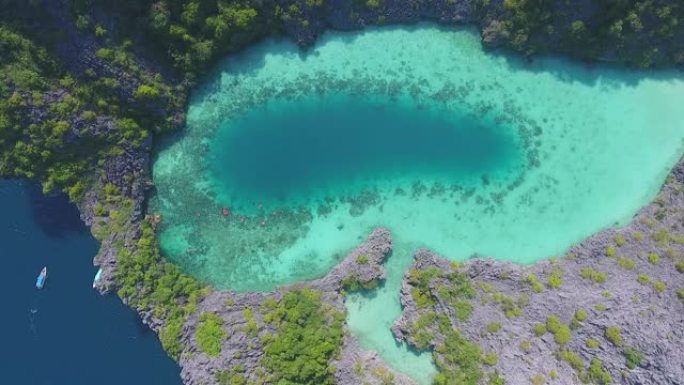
x: 416, y: 129
x: 370, y: 316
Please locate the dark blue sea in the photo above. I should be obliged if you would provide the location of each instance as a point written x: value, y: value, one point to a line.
x: 65, y: 334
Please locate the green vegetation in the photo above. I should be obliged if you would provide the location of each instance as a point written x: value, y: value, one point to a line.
x: 610, y: 251
x: 661, y: 237
x: 595, y: 374
x: 30, y: 78
x: 210, y: 334
x: 572, y: 359
x: 362, y: 260
x: 561, y: 332
x: 490, y: 359
x: 525, y: 346
x: 659, y: 286
x: 38, y: 148
x: 596, y: 276
x: 493, y: 327
x: 458, y: 292
x: 496, y: 379
x: 537, y: 286
x: 619, y: 240
x: 373, y: 3
x: 626, y: 25
x: 352, y: 283
x: 643, y: 279
x: 576, y: 322
x: 633, y: 357
x: 420, y: 281
x: 626, y: 263
x: 555, y: 279
x: 613, y: 335
x: 234, y: 376
x: 538, y: 379
x: 422, y: 336
x: 384, y: 376
x: 66, y: 148
x: 653, y: 258
x: 308, y: 334
x: 553, y: 323
x: 539, y: 329
x: 251, y: 328
x: 194, y: 32
x: 509, y: 306
x: 454, y: 288
x: 592, y: 343
x: 680, y: 265
x: 563, y: 335
x: 463, y: 310
x: 457, y: 360
x: 146, y: 92
x: 33, y: 150
x: 145, y: 281
x: 169, y: 336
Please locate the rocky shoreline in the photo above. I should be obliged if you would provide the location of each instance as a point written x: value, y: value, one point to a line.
x: 604, y: 284
x: 243, y: 349
x: 629, y: 279
x: 640, y: 297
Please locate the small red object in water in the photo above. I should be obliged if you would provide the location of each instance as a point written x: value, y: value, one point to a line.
x: 225, y: 212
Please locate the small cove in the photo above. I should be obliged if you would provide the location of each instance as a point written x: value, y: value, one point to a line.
x: 416, y: 129
x: 66, y: 333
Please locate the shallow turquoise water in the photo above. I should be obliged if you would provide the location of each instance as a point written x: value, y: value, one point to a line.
x: 371, y: 315
x: 414, y: 129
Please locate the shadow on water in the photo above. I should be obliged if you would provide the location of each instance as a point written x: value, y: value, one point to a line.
x: 254, y: 58
x: 372, y: 293
x: 65, y: 333
x: 562, y: 67
x: 160, y: 145
x: 55, y: 215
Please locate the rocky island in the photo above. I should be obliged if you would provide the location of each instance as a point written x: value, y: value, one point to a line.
x: 87, y: 87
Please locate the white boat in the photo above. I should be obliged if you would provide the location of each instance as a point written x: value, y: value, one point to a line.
x: 97, y: 277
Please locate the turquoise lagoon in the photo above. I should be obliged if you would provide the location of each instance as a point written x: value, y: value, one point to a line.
x: 415, y: 129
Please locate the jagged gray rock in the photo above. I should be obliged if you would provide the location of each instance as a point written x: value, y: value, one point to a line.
x: 650, y: 321
x: 244, y: 349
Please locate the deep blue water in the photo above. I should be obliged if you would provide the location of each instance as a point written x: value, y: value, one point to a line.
x: 286, y: 149
x: 65, y: 334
